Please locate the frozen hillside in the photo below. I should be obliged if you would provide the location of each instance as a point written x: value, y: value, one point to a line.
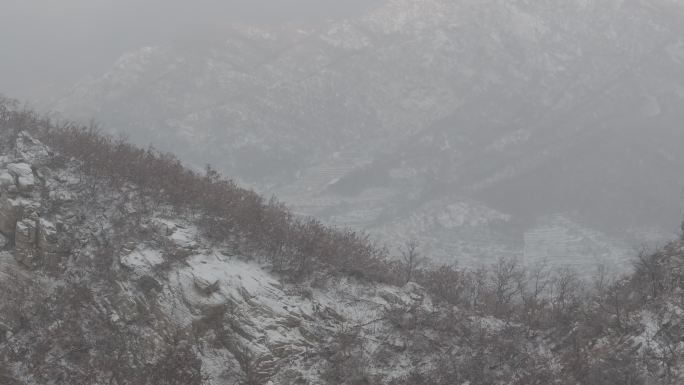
x: 120, y: 266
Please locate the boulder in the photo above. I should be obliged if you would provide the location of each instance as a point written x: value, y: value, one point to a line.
x: 205, y: 286
x: 163, y: 227
x: 6, y: 180
x: 23, y: 175
x: 30, y: 148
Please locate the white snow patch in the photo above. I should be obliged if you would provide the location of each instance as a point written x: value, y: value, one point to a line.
x: 142, y: 260
x: 184, y: 237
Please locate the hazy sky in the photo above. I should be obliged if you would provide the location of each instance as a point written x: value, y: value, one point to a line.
x: 50, y: 44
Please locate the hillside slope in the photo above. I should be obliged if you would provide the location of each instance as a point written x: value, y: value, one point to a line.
x: 122, y: 267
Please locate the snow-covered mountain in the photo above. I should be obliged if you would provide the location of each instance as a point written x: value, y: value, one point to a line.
x: 120, y: 266
x: 465, y: 124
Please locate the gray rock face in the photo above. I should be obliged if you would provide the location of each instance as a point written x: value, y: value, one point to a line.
x: 36, y: 242
x: 12, y: 284
x: 34, y: 238
x: 8, y: 217
x: 30, y: 149
x: 16, y: 179
x: 47, y: 241
x: 12, y: 210
x: 25, y: 242
x: 23, y: 175
x: 6, y: 180
x: 206, y: 287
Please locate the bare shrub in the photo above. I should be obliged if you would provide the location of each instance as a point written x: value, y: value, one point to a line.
x: 256, y: 369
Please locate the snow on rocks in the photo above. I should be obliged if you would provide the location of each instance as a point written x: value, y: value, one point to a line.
x: 271, y: 321
x: 182, y: 235
x: 47, y: 240
x: 62, y: 196
x: 12, y: 210
x: 30, y: 149
x: 23, y: 175
x: 35, y: 240
x: 237, y: 280
x: 205, y: 286
x: 163, y: 227
x: 142, y: 260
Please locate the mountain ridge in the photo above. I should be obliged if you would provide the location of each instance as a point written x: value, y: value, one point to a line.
x: 122, y: 266
x: 417, y: 89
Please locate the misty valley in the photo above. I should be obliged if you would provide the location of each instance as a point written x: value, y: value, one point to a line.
x: 402, y: 192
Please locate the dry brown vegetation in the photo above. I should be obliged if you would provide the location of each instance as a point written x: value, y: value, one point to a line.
x: 225, y: 212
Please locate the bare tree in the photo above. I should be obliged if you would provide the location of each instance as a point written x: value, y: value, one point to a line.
x: 411, y: 258
x: 533, y: 285
x: 565, y: 298
x: 504, y: 280
x: 479, y: 286
x: 611, y: 295
x: 651, y: 268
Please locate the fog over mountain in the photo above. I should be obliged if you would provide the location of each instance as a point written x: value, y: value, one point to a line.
x: 482, y: 128
x: 301, y: 192
x: 533, y: 129
x: 49, y: 45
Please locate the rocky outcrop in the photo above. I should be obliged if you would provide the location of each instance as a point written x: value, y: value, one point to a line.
x: 17, y: 197
x: 205, y: 286
x: 35, y: 241
x: 29, y: 149
x: 23, y: 176
x: 11, y: 210
x: 7, y: 181
x: 33, y: 237
x: 25, y: 241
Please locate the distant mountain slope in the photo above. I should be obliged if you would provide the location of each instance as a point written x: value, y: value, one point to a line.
x: 532, y: 109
